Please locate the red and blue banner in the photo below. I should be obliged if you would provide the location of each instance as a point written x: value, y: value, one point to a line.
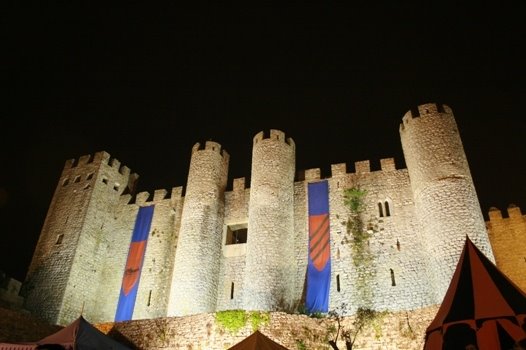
x: 319, y: 264
x: 132, y: 271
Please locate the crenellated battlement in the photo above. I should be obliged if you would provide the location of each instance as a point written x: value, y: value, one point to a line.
x: 514, y: 213
x: 425, y: 110
x: 387, y: 164
x: 210, y: 146
x: 362, y: 167
x: 102, y: 158
x: 145, y: 197
x: 312, y: 174
x: 338, y: 169
x: 275, y: 134
x: 98, y: 157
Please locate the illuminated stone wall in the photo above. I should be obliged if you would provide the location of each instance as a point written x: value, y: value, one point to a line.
x: 446, y: 202
x: 417, y: 218
x: 508, y: 236
x: 67, y: 260
x: 399, y: 330
x: 270, y: 264
x: 197, y: 259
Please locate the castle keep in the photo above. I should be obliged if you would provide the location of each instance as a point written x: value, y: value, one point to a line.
x: 213, y: 249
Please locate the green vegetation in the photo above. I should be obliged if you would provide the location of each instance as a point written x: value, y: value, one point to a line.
x: 258, y: 319
x: 357, y: 237
x: 231, y: 320
x: 234, y: 320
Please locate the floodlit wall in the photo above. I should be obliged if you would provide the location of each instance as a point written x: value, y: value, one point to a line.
x: 508, y: 236
x: 417, y: 219
x: 446, y: 202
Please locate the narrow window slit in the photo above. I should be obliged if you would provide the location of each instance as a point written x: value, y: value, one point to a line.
x: 393, y: 282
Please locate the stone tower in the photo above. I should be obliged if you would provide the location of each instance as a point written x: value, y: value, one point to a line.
x: 270, y: 258
x: 65, y: 265
x: 196, y: 269
x: 507, y: 236
x: 446, y: 202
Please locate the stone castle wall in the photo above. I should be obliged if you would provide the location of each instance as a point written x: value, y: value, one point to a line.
x: 270, y: 265
x: 66, y: 263
x: 505, y: 233
x: 197, y: 258
x: 414, y: 217
x: 446, y: 202
x: 391, y: 331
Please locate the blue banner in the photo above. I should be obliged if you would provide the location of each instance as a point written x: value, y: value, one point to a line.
x: 319, y: 263
x: 132, y: 271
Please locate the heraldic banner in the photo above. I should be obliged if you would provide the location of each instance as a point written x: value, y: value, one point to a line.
x: 319, y: 262
x: 132, y: 271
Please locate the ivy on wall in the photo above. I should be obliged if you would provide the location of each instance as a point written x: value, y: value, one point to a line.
x: 357, y: 237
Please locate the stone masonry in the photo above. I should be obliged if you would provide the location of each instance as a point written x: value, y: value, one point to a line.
x: 211, y: 249
x: 506, y: 235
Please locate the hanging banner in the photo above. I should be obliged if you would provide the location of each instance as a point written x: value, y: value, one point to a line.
x: 132, y: 271
x: 319, y: 262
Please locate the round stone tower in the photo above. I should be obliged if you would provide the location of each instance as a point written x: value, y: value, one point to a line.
x: 196, y: 268
x: 446, y: 202
x: 270, y: 260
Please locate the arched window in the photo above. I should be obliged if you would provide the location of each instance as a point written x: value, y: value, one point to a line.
x: 232, y: 291
x: 393, y: 282
x: 387, y: 211
x: 338, y: 283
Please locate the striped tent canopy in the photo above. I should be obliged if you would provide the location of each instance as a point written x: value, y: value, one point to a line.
x: 78, y: 335
x: 482, y: 307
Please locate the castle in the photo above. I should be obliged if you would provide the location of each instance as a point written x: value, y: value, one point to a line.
x: 212, y: 249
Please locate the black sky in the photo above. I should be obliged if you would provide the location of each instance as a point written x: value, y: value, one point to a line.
x: 145, y: 83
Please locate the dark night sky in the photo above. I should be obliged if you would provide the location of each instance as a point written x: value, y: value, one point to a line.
x: 146, y: 83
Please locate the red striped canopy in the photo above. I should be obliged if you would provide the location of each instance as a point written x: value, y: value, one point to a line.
x: 481, y: 307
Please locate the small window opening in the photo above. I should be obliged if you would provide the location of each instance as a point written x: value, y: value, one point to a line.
x: 232, y: 291
x: 89, y: 177
x: 66, y: 182
x: 116, y: 187
x: 387, y: 211
x: 105, y: 180
x: 393, y: 282
x: 149, y: 298
x: 59, y: 239
x: 337, y: 184
x: 236, y: 236
x: 380, y: 210
x: 398, y: 245
x: 338, y: 283
x: 77, y: 178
